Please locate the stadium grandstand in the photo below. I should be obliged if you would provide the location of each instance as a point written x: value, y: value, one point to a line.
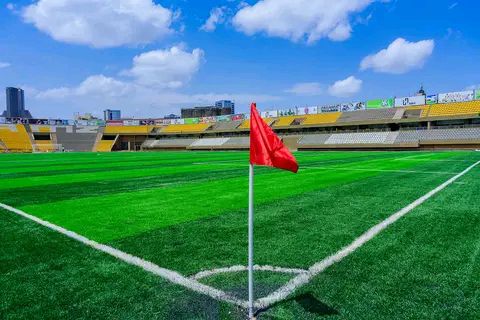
x: 450, y: 120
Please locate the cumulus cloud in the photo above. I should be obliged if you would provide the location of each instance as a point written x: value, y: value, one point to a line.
x: 98, y: 92
x: 217, y: 16
x: 147, y: 89
x: 300, y: 19
x: 306, y: 89
x: 171, y: 68
x: 473, y: 87
x: 346, y: 87
x: 4, y: 65
x: 96, y: 85
x: 399, y: 57
x: 100, y: 23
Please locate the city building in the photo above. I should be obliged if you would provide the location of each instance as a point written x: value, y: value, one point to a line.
x: 85, y: 116
x: 16, y: 104
x: 226, y: 104
x: 112, y: 115
x: 208, y: 111
x: 171, y: 116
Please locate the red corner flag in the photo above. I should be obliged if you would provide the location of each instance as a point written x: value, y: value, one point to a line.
x: 266, y: 148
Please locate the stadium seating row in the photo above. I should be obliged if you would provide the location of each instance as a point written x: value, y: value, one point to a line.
x: 390, y: 138
x: 14, y: 138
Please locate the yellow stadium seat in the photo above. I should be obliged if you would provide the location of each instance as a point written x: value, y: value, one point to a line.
x: 14, y: 138
x: 186, y: 128
x: 424, y: 110
x: 286, y: 121
x: 321, y: 118
x: 455, y: 109
x: 44, y: 129
x: 105, y: 145
x: 246, y: 123
x: 128, y: 129
x: 44, y: 146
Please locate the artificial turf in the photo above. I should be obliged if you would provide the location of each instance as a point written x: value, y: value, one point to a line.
x: 186, y: 211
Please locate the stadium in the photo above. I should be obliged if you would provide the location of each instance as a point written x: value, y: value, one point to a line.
x: 449, y: 121
x: 157, y: 206
x: 305, y: 208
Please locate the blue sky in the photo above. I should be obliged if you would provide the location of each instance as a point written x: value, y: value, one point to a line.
x: 155, y: 57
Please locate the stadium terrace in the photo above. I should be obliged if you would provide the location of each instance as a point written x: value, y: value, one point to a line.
x: 448, y: 120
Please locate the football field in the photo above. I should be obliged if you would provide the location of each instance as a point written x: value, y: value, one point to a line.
x: 164, y: 236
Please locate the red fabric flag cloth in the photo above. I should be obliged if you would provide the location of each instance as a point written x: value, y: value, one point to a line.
x: 266, y: 148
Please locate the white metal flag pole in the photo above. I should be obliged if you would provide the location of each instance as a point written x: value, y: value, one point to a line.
x: 250, y: 244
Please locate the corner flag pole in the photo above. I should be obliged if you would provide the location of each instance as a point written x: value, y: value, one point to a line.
x: 250, y: 244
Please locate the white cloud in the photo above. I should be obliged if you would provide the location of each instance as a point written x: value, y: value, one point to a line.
x: 346, y: 87
x: 10, y: 6
x: 217, y: 16
x: 453, y: 5
x: 100, y: 23
x: 148, y: 91
x: 96, y: 85
x: 399, y: 57
x: 99, y: 92
x: 300, y: 19
x: 473, y: 87
x: 171, y: 68
x: 306, y: 89
x: 4, y: 65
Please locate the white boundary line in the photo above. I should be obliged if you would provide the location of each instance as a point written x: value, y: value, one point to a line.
x: 239, y: 268
x: 166, y: 274
x: 302, y: 279
x: 376, y: 170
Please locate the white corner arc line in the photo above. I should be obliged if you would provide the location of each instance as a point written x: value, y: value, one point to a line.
x: 302, y: 279
x: 164, y: 273
x: 240, y: 268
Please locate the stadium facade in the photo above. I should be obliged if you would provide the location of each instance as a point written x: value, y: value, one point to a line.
x: 443, y: 121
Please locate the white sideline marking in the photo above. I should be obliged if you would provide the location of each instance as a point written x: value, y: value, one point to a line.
x: 209, y: 273
x: 335, y: 168
x: 302, y: 279
x: 378, y: 170
x: 431, y: 160
x: 166, y: 274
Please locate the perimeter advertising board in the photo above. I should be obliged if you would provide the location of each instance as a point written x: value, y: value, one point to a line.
x: 114, y: 123
x: 332, y: 108
x: 237, y: 117
x: 306, y: 110
x: 459, y: 96
x: 287, y: 112
x: 380, y: 103
x: 432, y: 99
x: 410, y: 101
x: 353, y: 106
x: 191, y: 120
x: 269, y: 114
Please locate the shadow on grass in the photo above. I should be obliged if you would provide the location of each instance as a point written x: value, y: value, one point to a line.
x: 308, y: 302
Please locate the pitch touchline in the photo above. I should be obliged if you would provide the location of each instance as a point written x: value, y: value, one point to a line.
x: 336, y: 168
x: 167, y: 274
x: 303, y: 278
x: 379, y: 170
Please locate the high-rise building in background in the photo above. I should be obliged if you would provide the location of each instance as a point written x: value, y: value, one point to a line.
x: 221, y: 108
x: 226, y: 104
x: 112, y: 115
x: 16, y: 104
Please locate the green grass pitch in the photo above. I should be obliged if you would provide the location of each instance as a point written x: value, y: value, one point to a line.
x: 187, y: 211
